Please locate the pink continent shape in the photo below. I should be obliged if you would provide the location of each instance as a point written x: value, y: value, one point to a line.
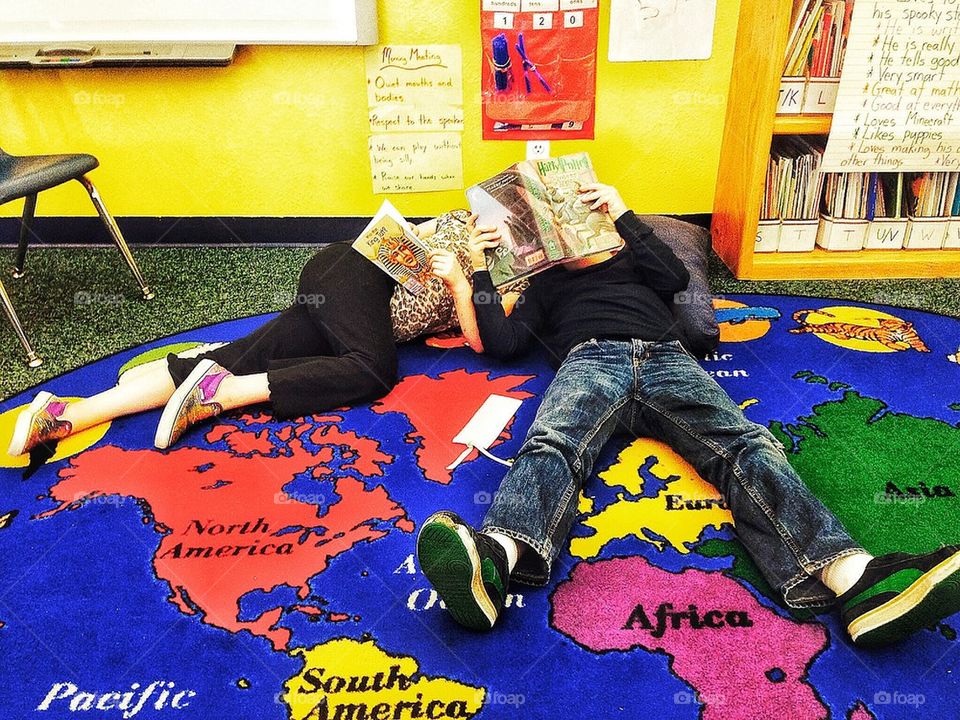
x: 738, y: 673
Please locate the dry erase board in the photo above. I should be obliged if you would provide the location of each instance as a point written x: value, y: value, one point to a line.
x: 247, y: 22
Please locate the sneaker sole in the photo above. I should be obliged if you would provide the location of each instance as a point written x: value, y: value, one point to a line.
x: 21, y: 431
x: 174, y: 406
x: 932, y: 597
x: 451, y: 563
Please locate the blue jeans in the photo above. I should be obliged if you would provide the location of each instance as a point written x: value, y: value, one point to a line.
x: 657, y: 390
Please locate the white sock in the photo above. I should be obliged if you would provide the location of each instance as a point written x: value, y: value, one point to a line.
x: 843, y: 573
x: 509, y: 546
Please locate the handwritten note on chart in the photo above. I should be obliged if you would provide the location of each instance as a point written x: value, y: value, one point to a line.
x: 898, y: 108
x: 415, y: 87
x: 661, y: 29
x: 416, y: 162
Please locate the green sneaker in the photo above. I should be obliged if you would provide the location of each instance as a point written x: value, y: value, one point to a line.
x: 468, y: 570
x: 900, y: 594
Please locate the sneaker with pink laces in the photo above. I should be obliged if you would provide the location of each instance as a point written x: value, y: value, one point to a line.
x: 192, y: 402
x: 40, y: 423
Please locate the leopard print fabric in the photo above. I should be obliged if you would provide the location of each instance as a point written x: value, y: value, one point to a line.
x: 431, y: 310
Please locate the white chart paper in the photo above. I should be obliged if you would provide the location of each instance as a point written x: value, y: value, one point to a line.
x: 898, y: 108
x: 661, y: 29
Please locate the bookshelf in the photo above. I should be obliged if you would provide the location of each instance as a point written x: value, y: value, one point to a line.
x: 751, y: 123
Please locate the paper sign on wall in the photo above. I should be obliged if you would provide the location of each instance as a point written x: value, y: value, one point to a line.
x: 661, y: 29
x: 415, y: 98
x: 899, y: 99
x: 416, y: 162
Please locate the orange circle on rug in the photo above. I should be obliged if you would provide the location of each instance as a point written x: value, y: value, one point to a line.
x: 65, y: 448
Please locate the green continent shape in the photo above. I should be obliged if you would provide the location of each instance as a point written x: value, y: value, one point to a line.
x: 846, y: 451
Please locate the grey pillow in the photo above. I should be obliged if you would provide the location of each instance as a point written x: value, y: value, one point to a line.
x: 692, y: 308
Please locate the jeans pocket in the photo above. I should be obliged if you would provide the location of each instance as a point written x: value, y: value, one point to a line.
x: 679, y: 346
x: 592, y: 343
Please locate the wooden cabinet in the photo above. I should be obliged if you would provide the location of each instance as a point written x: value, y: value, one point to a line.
x: 750, y: 126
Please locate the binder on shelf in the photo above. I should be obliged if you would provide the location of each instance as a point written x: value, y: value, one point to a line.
x: 820, y: 97
x: 886, y: 234
x: 934, y: 198
x: 798, y: 235
x: 926, y: 233
x: 842, y: 233
x: 792, y: 95
x: 953, y: 235
x: 768, y: 236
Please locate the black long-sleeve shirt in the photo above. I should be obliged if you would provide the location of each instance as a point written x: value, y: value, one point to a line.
x: 628, y: 296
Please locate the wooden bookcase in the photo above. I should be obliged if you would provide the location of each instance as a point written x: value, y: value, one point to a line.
x: 751, y: 124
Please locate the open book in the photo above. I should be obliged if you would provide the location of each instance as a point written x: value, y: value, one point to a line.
x: 536, y: 206
x: 389, y: 243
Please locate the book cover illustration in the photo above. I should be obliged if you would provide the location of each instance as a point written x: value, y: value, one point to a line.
x: 388, y: 243
x: 583, y: 231
x: 541, y: 218
x: 516, y: 202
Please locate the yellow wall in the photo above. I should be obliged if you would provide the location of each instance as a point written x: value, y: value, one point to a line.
x: 282, y: 130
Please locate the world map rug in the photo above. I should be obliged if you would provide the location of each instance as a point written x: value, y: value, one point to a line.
x: 266, y: 569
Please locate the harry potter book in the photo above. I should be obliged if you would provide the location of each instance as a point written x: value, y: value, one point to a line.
x: 542, y: 220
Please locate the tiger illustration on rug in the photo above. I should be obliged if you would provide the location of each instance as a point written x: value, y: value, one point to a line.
x: 893, y: 333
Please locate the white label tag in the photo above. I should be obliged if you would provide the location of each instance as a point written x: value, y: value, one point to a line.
x: 503, y: 21
x: 573, y: 19
x: 542, y: 21
x: 541, y: 5
x: 503, y: 5
x: 488, y: 422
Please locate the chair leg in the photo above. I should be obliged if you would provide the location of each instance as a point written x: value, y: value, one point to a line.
x: 117, y: 236
x: 33, y: 360
x: 26, y: 230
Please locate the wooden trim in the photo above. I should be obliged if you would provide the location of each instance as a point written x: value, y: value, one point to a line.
x: 751, y: 106
x: 861, y: 264
x: 802, y: 124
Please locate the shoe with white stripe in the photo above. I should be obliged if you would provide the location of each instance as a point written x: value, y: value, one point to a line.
x: 39, y: 424
x: 900, y: 594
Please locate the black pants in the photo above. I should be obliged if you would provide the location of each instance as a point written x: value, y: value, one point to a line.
x: 333, y: 347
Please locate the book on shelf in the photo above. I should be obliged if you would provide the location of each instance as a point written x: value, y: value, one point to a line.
x: 390, y: 244
x: 818, y: 38
x: 794, y: 181
x: 932, y: 194
x: 536, y: 206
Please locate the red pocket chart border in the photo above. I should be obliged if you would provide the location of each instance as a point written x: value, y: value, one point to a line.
x: 560, y: 38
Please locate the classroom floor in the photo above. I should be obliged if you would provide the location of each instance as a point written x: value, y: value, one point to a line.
x: 81, y: 304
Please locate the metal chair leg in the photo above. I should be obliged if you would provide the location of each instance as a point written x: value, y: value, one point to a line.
x: 33, y: 360
x: 117, y: 236
x: 26, y: 230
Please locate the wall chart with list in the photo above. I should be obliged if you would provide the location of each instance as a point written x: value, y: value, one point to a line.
x: 898, y: 108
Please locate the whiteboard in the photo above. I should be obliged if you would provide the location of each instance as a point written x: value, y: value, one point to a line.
x: 661, y: 29
x: 245, y: 22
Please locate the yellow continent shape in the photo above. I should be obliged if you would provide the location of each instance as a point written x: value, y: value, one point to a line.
x: 649, y: 518
x: 350, y: 678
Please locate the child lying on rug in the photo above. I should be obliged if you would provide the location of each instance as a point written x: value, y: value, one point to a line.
x: 606, y: 324
x: 335, y: 346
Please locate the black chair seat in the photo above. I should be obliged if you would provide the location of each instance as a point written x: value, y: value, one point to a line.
x: 23, y: 176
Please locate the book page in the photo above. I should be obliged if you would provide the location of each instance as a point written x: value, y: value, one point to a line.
x: 582, y: 230
x: 515, y: 202
x: 388, y: 243
x: 899, y: 102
